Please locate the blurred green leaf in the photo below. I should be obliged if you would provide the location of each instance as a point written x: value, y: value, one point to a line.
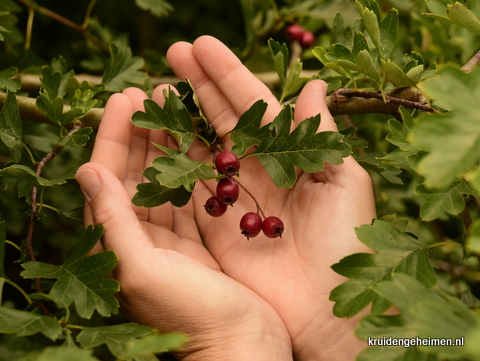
x: 155, y: 343
x: 439, y: 201
x: 397, y: 252
x: 22, y: 172
x: 81, y: 280
x: 24, y: 323
x: 158, y: 8
x: 63, y: 353
x: 10, y: 122
x: 116, y: 337
x: 6, y: 81
x: 124, y: 69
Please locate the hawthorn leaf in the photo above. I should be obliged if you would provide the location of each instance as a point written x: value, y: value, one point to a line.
x: 158, y: 8
x: 124, y: 69
x: 11, y: 130
x: 451, y: 139
x: 153, y: 194
x: 23, y: 323
x: 246, y: 132
x: 77, y: 139
x: 370, y: 13
x: 62, y: 353
x: 426, y: 314
x: 439, y: 201
x: 389, y: 33
x: 155, y: 343
x: 294, y: 82
x: 24, y: 173
x: 461, y: 15
x: 54, y: 110
x: 6, y: 81
x: 281, y: 151
x: 375, y: 162
x: 366, y: 65
x: 397, y: 252
x: 81, y: 280
x: 174, y: 118
x: 395, y: 74
x: 177, y: 170
x: 116, y: 337
x: 279, y: 53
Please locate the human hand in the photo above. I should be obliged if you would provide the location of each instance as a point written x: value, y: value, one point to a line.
x: 320, y: 212
x: 168, y: 279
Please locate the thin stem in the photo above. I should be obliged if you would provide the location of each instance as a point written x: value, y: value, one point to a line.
x: 474, y: 61
x: 259, y: 209
x: 28, y: 31
x: 13, y: 245
x: 19, y: 289
x: 446, y: 243
x: 78, y: 28
x: 88, y: 14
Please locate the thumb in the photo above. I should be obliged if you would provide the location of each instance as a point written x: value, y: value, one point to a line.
x: 111, y: 207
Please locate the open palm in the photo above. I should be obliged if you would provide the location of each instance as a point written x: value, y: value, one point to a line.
x: 320, y: 212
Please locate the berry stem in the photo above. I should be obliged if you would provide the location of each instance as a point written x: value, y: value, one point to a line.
x: 259, y: 209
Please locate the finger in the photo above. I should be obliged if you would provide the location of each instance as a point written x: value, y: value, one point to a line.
x: 312, y: 101
x: 225, y: 88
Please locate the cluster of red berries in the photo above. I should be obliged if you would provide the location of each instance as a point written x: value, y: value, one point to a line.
x: 228, y: 164
x: 305, y: 38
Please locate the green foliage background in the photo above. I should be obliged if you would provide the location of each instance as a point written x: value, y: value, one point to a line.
x: 423, y: 156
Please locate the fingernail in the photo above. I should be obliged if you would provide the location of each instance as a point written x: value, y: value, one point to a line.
x: 89, y: 182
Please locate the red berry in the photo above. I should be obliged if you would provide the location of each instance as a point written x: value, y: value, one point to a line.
x: 251, y: 224
x: 227, y: 163
x: 272, y: 227
x: 227, y: 191
x: 215, y: 207
x: 307, y: 40
x: 293, y: 32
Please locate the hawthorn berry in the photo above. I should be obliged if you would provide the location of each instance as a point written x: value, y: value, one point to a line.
x: 227, y: 191
x: 251, y: 225
x: 307, y: 40
x: 227, y: 163
x: 293, y: 32
x: 272, y: 227
x: 215, y: 207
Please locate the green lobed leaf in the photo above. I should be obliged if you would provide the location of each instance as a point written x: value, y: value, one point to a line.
x: 246, y: 132
x: 158, y: 8
x: 366, y: 65
x: 281, y: 151
x: 370, y: 13
x: 10, y: 122
x: 23, y: 323
x: 116, y: 337
x: 279, y: 53
x: 177, y: 170
x: 461, y: 15
x: 62, y: 353
x: 376, y: 162
x: 424, y: 314
x: 53, y: 109
x: 22, y: 172
x: 77, y: 139
x: 396, y: 75
x: 123, y: 70
x: 439, y: 201
x: 81, y: 280
x: 155, y: 343
x: 6, y: 81
x: 294, y: 82
x: 153, y: 194
x: 397, y: 252
x: 174, y: 118
x: 452, y: 139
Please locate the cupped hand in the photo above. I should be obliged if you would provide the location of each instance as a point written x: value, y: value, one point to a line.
x: 291, y: 273
x: 168, y: 279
